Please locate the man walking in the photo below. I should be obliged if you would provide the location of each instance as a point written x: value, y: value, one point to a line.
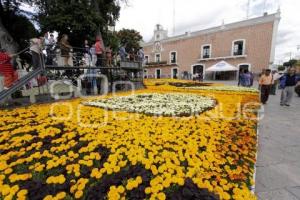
x: 287, y: 84
x: 265, y: 83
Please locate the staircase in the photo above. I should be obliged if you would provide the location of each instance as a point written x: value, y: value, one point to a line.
x: 21, y: 82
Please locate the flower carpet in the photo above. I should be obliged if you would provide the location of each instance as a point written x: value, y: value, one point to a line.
x: 76, y: 150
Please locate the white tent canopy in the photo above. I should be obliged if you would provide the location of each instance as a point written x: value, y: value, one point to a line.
x: 222, y: 66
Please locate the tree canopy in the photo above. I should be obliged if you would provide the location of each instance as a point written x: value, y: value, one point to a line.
x: 15, y: 27
x: 290, y: 63
x: 131, y: 38
x: 79, y: 19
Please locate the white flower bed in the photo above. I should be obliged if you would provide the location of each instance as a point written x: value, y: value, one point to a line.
x: 158, y: 104
x: 225, y: 88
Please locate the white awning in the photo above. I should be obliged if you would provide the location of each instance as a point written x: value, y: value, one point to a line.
x: 222, y: 67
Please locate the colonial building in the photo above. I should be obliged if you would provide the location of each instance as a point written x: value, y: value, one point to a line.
x: 245, y: 44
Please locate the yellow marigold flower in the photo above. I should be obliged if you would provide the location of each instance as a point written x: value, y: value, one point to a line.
x: 161, y: 196
x: 121, y: 189
x: 139, y: 179
x: 9, y: 197
x: 78, y: 194
x: 22, y: 193
x: 48, y: 197
x: 61, y: 179
x: 5, y: 189
x: 14, y: 189
x: 61, y: 195
x: 81, y: 186
x: 147, y: 190
x: 8, y: 171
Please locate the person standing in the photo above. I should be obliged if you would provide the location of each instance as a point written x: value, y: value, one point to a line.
x: 6, y: 69
x: 36, y: 47
x: 50, y: 46
x: 94, y: 55
x: 65, y: 49
x: 276, y: 77
x: 245, y: 78
x: 87, y: 53
x: 287, y: 84
x: 99, y: 52
x: 141, y: 55
x: 251, y: 78
x: 265, y: 82
x: 122, y: 52
x: 108, y: 56
x: 240, y: 77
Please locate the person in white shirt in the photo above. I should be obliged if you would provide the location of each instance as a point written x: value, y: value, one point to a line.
x: 275, y: 80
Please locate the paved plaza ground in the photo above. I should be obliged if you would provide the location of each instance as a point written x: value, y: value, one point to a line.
x: 278, y: 164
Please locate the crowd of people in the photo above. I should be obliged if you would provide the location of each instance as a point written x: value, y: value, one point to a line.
x: 269, y: 81
x: 93, y: 54
x: 45, y: 50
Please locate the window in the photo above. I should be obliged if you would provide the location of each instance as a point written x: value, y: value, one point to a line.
x: 157, y: 37
x: 157, y: 58
x: 173, y: 57
x: 146, y: 59
x: 206, y: 51
x: 238, y: 47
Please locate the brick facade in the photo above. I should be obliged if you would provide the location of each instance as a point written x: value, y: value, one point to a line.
x: 258, y: 42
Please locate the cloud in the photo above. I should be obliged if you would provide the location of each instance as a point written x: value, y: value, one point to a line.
x: 260, y: 6
x: 283, y: 36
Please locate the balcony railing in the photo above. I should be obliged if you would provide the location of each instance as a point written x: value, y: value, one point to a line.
x: 157, y: 63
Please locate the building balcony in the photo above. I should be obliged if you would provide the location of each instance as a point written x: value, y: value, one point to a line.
x: 159, y: 64
x: 223, y: 58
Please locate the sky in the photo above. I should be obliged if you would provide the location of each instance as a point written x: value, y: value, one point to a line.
x: 193, y: 15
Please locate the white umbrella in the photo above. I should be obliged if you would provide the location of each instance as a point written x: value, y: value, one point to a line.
x: 222, y: 66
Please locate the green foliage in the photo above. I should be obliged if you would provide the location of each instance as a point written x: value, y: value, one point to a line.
x: 21, y: 29
x: 131, y: 38
x: 18, y: 26
x: 290, y: 63
x: 281, y: 68
x: 111, y: 39
x: 79, y: 19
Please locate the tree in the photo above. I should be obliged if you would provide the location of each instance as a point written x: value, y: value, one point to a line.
x: 15, y: 28
x: 79, y: 19
x: 131, y: 38
x: 290, y: 63
x: 112, y: 40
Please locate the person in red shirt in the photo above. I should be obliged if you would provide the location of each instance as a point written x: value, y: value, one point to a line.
x: 99, y: 52
x: 6, y: 69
